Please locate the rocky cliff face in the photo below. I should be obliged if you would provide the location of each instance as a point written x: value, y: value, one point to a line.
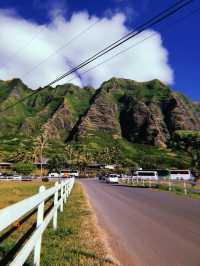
x: 144, y: 123
x: 140, y: 112
x: 146, y: 112
x: 100, y: 116
x: 180, y: 115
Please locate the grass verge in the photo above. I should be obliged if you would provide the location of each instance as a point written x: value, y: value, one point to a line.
x: 75, y: 242
x: 175, y: 188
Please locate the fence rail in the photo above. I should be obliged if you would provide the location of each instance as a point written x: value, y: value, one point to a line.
x: 13, y: 213
x: 183, y: 185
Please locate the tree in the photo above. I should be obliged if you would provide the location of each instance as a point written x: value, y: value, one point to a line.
x: 109, y: 155
x: 40, y: 143
x: 56, y: 163
x: 21, y: 155
x: 195, y: 163
x: 1, y: 155
x: 69, y: 152
x: 24, y: 168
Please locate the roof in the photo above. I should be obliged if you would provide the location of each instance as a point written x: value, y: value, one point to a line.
x: 6, y: 163
x: 44, y: 161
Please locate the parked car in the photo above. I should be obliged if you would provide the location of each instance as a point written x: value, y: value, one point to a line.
x: 104, y: 177
x: 53, y: 175
x: 16, y: 177
x: 112, y: 178
x: 27, y: 178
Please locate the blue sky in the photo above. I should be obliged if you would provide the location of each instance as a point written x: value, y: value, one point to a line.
x: 182, y: 40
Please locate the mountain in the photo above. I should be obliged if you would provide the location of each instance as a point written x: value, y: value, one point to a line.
x: 147, y: 112
x: 129, y: 113
x: 57, y: 109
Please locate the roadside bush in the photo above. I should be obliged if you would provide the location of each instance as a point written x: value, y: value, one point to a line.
x: 24, y: 168
x: 45, y: 179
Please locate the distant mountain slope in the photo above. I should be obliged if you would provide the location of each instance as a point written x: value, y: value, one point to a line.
x: 56, y: 108
x: 139, y: 112
x: 148, y: 112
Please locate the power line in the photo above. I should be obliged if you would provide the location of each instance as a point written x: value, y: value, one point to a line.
x: 136, y: 44
x: 155, y: 20
x: 135, y: 30
x: 170, y: 11
x: 51, y: 55
x: 60, y: 48
x: 81, y: 33
x: 21, y: 49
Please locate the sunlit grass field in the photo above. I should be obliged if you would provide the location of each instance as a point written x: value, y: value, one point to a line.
x: 77, y: 240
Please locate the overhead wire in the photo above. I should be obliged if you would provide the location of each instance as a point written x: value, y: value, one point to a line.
x: 151, y: 22
x: 60, y: 48
x: 170, y: 11
x: 137, y: 43
x: 21, y: 49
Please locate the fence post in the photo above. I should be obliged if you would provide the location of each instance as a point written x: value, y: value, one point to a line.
x: 61, y: 197
x: 55, y: 203
x: 40, y: 217
x: 185, y: 188
x: 150, y: 183
x: 68, y: 187
x: 170, y: 186
x: 65, y: 193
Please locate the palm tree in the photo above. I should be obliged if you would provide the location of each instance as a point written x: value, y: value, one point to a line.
x: 69, y: 152
x: 40, y: 144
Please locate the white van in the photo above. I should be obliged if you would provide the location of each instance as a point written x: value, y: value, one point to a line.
x: 69, y: 173
x: 181, y: 175
x: 150, y: 175
x: 112, y: 178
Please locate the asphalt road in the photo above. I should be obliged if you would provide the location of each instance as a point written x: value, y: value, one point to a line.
x: 147, y: 227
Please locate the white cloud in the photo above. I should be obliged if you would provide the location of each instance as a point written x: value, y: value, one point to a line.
x: 34, y: 43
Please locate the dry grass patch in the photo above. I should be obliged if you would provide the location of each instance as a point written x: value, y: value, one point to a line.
x: 14, y: 191
x: 76, y: 241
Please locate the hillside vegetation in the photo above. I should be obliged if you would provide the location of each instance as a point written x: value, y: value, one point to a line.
x: 142, y: 123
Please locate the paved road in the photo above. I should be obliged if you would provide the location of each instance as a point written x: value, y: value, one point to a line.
x: 146, y: 227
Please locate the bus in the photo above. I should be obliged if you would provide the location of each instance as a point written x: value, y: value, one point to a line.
x: 181, y: 175
x: 143, y: 174
x: 68, y: 173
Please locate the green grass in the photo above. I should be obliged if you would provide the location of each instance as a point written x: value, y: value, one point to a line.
x: 179, y: 190
x: 76, y: 241
x: 153, y: 90
x: 187, y: 133
x: 176, y: 188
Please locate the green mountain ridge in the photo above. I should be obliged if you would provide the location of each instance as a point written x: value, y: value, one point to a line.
x: 132, y: 115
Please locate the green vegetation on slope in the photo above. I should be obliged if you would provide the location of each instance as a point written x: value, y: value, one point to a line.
x: 145, y: 123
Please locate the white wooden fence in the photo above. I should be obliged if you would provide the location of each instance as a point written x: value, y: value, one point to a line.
x: 12, y: 213
x: 183, y: 185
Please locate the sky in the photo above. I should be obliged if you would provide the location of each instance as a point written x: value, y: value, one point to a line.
x: 42, y: 39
